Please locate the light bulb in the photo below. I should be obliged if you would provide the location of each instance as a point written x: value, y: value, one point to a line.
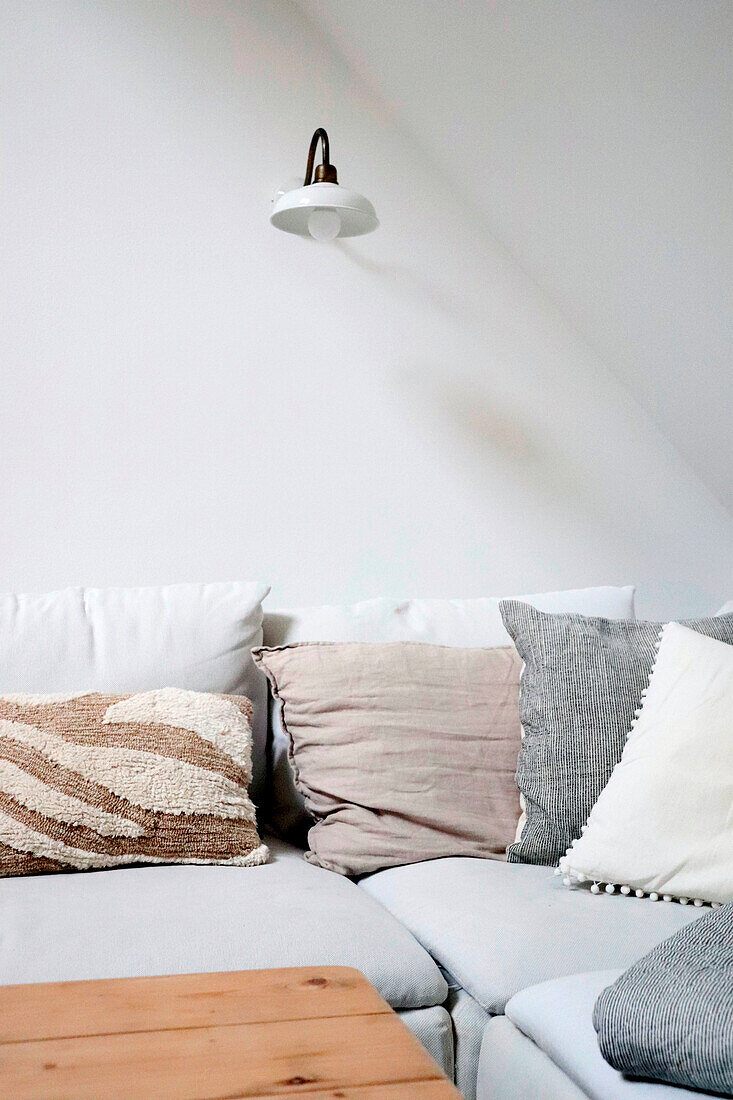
x: 324, y: 225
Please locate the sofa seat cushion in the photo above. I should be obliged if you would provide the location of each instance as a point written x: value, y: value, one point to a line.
x: 500, y: 927
x: 434, y: 1029
x: 512, y: 1066
x: 558, y: 1017
x: 184, y: 919
x: 469, y: 1021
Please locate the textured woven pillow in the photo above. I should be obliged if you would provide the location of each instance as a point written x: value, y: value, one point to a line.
x: 663, y: 826
x: 92, y: 781
x: 403, y: 752
x: 582, y: 682
x: 669, y: 1017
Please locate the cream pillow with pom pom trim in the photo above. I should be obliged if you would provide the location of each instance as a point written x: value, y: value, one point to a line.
x: 663, y: 825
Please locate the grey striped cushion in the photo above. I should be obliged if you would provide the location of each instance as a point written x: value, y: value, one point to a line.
x: 669, y: 1017
x: 583, y: 679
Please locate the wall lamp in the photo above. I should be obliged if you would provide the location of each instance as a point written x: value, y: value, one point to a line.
x: 320, y: 208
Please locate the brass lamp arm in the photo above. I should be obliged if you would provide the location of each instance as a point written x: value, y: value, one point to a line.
x: 325, y: 172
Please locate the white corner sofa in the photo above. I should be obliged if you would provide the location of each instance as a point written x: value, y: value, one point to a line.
x: 494, y: 967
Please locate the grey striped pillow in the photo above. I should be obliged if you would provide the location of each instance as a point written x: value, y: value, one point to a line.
x: 582, y: 682
x: 669, y: 1017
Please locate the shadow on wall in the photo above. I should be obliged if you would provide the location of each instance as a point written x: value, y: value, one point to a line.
x: 411, y: 284
x: 565, y: 474
x: 506, y: 442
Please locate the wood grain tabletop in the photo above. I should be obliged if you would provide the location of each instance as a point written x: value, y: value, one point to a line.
x: 320, y: 1032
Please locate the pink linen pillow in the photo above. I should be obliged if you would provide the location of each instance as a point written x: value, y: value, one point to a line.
x: 403, y: 752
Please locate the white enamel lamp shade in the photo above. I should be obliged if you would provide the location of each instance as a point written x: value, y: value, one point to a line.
x: 350, y: 213
x: 322, y: 210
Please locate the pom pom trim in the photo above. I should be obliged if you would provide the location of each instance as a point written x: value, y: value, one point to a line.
x: 572, y: 879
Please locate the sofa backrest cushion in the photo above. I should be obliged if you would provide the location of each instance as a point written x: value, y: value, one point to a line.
x: 120, y: 640
x: 464, y: 623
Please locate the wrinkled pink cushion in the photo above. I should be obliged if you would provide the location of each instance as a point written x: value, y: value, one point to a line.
x: 403, y: 752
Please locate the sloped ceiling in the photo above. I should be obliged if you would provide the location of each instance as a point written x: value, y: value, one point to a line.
x: 595, y: 139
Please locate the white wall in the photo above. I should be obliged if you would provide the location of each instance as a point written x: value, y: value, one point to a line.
x: 595, y: 136
x: 188, y: 394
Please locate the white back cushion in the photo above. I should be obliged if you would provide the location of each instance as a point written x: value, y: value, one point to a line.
x: 195, y: 636
x: 475, y: 622
x: 468, y: 623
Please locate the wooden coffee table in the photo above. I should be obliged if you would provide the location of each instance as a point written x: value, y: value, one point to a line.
x: 320, y: 1032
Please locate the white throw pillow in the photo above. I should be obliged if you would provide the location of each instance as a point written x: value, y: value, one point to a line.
x: 126, y: 640
x: 725, y: 609
x: 473, y: 623
x: 663, y: 826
